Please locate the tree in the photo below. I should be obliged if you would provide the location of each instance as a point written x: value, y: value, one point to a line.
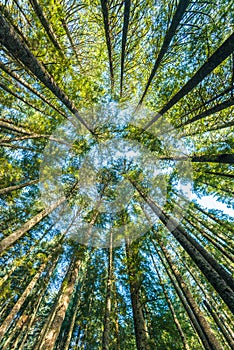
x: 119, y: 257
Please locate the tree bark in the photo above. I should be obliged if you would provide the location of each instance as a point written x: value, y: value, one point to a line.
x: 127, y: 5
x: 215, y: 109
x: 180, y: 11
x: 227, y: 336
x: 105, y: 14
x: 47, y: 26
x: 30, y: 88
x: 16, y: 187
x: 212, y: 340
x: 214, y: 61
x: 61, y: 308
x: 107, y: 320
x: 13, y: 237
x: 219, y: 278
x: 7, y: 322
x: 14, y: 44
x: 141, y: 333
x: 171, y: 307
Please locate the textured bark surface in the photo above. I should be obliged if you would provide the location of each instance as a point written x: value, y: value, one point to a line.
x: 106, y: 322
x: 61, y: 308
x: 141, y: 333
x: 15, y: 45
x: 221, y: 280
x: 191, y: 315
x: 211, y: 338
x: 29, y: 87
x: 7, y: 322
x: 180, y: 11
x: 16, y: 187
x: 171, y: 307
x: 13, y: 237
x: 218, y: 57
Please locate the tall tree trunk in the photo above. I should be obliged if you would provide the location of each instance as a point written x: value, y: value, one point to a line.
x: 38, y: 302
x: 14, y: 44
x: 13, y: 237
x: 211, y: 216
x: 171, y: 307
x: 212, y: 340
x: 61, y: 308
x: 7, y: 322
x: 105, y: 14
x: 11, y: 92
x: 210, y: 111
x: 107, y: 320
x: 47, y: 26
x: 30, y: 88
x: 221, y: 280
x: 180, y: 11
x: 214, y: 61
x: 127, y: 5
x: 194, y: 322
x: 225, y: 158
x: 214, y: 343
x: 141, y: 333
x: 228, y: 337
x: 73, y: 320
x: 16, y: 187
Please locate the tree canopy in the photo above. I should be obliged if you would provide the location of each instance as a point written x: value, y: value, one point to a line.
x: 116, y: 124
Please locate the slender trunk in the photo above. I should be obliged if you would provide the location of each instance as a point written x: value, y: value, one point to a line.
x: 171, y: 307
x: 9, y: 91
x: 214, y: 61
x: 20, y: 324
x: 215, y: 109
x: 105, y: 14
x: 214, y: 343
x: 47, y: 26
x: 127, y: 5
x: 68, y: 287
x: 194, y: 322
x: 141, y: 333
x: 225, y: 158
x: 230, y: 176
x: 64, y: 24
x: 207, y: 214
x: 212, y: 340
x: 228, y: 337
x: 14, y: 44
x: 116, y: 321
x: 219, y: 278
x: 16, y: 308
x: 106, y: 321
x: 224, y: 92
x: 37, y: 304
x: 180, y: 11
x: 16, y: 187
x: 13, y: 237
x: 29, y: 87
x: 73, y: 320
x: 223, y: 248
x: 8, y: 124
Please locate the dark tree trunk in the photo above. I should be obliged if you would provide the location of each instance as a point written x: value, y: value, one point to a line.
x: 19, y: 50
x: 141, y: 332
x: 214, y: 61
x: 180, y: 11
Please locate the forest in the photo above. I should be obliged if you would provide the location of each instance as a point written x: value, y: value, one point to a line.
x: 116, y: 174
